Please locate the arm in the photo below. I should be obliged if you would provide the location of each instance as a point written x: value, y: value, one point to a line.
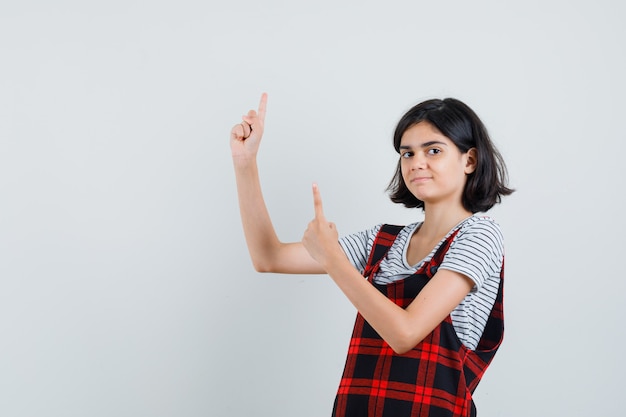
x: 268, y: 253
x: 401, y: 328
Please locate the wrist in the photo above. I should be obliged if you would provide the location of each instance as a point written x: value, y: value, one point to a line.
x: 244, y: 162
x: 336, y: 260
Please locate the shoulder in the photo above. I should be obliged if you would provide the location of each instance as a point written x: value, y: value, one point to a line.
x: 358, y: 245
x: 481, y: 229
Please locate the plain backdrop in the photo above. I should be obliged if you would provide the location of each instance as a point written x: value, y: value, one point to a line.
x: 125, y: 284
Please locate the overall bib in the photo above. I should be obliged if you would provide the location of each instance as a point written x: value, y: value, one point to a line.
x: 437, y: 377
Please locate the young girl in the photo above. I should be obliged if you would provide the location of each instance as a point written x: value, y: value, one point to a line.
x: 430, y: 309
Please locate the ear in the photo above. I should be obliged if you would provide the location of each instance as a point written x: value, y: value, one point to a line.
x: 471, y: 159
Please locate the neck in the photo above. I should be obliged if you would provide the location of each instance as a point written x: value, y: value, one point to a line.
x: 439, y: 219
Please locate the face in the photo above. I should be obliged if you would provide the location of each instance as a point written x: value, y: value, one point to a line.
x: 433, y: 168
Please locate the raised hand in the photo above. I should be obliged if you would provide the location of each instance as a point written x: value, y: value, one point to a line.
x: 245, y: 137
x: 321, y: 238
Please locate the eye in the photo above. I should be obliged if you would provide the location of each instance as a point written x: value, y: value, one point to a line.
x: 434, y: 151
x: 406, y: 154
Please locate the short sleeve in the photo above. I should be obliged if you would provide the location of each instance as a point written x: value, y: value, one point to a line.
x: 477, y: 251
x: 357, y: 246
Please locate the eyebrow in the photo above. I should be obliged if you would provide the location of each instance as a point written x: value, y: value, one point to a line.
x: 425, y: 144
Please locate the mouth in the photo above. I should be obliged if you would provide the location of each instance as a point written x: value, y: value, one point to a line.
x: 418, y: 180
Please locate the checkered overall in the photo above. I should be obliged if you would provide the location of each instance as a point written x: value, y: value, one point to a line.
x: 436, y: 378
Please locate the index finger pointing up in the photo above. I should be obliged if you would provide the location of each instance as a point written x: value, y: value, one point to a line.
x: 317, y: 202
x: 262, y: 107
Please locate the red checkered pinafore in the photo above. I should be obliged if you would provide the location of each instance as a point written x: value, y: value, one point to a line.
x: 436, y: 378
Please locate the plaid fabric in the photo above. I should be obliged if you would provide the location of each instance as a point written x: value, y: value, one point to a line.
x: 436, y: 378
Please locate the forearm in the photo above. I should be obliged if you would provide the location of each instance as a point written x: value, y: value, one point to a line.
x: 392, y: 322
x: 401, y: 328
x: 260, y: 235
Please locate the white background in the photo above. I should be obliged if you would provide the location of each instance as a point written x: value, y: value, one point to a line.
x: 125, y: 284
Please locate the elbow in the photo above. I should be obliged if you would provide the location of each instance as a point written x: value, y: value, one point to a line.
x: 401, y: 349
x: 265, y: 264
x: 262, y: 266
x: 404, y: 343
x: 265, y: 259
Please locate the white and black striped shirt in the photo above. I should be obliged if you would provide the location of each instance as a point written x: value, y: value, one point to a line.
x: 477, y: 252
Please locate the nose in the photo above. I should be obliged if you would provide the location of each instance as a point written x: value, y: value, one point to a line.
x: 418, y: 161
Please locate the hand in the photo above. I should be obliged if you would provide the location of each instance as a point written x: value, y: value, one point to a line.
x: 320, y: 238
x: 245, y: 137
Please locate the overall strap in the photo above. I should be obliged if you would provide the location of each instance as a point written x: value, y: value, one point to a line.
x: 383, y: 241
x: 432, y: 266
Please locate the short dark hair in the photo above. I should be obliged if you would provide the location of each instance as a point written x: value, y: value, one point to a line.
x: 455, y: 120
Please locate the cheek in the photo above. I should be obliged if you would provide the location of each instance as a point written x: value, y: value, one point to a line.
x: 462, y: 178
x: 404, y: 169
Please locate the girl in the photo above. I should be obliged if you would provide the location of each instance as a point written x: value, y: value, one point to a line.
x: 430, y: 309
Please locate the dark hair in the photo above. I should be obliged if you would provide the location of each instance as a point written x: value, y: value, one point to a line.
x: 455, y: 120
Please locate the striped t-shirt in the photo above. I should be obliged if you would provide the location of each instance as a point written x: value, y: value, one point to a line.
x: 477, y: 252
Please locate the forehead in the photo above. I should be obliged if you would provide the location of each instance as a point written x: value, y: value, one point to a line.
x: 421, y: 133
